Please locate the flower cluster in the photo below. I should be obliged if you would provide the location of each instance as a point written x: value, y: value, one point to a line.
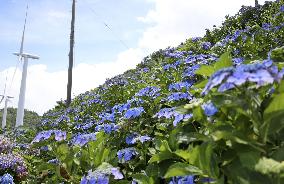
x: 44, y: 135
x: 6, y: 179
x: 5, y: 145
x: 179, y: 96
x: 179, y: 86
x: 82, y: 139
x: 134, y: 138
x: 126, y: 154
x: 133, y: 112
x: 13, y: 162
x: 182, y: 179
x: 101, y: 175
x: 107, y: 128
x: 209, y: 109
x: 170, y: 112
x: 259, y: 73
x: 150, y: 91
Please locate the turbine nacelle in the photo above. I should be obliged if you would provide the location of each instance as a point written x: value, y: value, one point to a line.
x: 26, y: 55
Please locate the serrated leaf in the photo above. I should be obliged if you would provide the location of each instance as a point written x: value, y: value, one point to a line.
x: 224, y: 61
x: 182, y: 169
x: 205, y: 70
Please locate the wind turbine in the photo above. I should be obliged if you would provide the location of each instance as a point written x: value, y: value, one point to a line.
x: 7, y: 99
x: 25, y: 56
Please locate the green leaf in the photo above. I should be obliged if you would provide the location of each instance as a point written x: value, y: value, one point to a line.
x: 205, y: 70
x: 182, y: 169
x: 143, y: 179
x: 224, y: 61
x: 161, y: 156
x: 62, y: 151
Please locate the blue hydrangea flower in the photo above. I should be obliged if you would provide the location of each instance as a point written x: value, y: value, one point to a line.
x: 133, y: 112
x: 83, y: 139
x: 179, y: 86
x: 150, y: 91
x: 182, y: 180
x: 206, y: 45
x: 209, y: 109
x: 238, y: 61
x: 107, y: 128
x: 179, y: 96
x: 126, y: 154
x: 259, y: 73
x: 44, y: 135
x: 282, y: 8
x: 7, y: 179
x: 116, y: 173
x: 133, y: 138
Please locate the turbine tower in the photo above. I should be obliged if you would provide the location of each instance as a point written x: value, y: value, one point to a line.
x: 25, y: 56
x: 7, y: 99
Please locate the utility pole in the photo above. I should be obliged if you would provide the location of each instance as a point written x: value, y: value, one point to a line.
x: 71, y: 56
x: 256, y: 2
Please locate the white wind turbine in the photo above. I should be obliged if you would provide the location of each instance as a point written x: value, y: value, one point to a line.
x: 25, y: 56
x: 6, y: 99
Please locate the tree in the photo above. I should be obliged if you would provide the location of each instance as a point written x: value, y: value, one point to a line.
x: 71, y: 56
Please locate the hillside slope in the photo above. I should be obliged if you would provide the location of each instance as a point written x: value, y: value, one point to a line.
x: 208, y: 111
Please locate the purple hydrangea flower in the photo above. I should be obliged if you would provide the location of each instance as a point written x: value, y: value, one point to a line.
x: 44, y: 135
x: 179, y: 86
x: 282, y: 8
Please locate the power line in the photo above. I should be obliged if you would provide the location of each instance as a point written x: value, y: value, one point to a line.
x: 108, y: 26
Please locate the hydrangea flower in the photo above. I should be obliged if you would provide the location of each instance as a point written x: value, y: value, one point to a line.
x: 179, y: 86
x: 126, y: 154
x: 133, y: 112
x: 206, y: 45
x: 179, y: 96
x: 238, y: 61
x: 133, y: 138
x: 259, y: 73
x: 107, y: 128
x: 209, y: 109
x: 44, y: 135
x: 7, y: 179
x: 101, y: 175
x: 5, y: 145
x: 171, y: 113
x: 282, y: 8
x: 150, y: 91
x: 182, y: 179
x: 83, y: 139
x: 13, y: 162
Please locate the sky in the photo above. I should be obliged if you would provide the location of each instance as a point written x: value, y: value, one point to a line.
x: 111, y: 36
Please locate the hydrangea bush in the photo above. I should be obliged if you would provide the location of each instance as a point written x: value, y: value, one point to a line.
x: 208, y: 111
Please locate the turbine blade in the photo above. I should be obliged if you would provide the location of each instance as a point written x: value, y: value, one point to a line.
x: 23, y: 35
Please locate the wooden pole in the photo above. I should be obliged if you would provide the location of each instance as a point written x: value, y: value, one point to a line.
x: 71, y: 56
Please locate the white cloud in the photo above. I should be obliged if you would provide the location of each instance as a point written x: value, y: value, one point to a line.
x: 176, y: 20
x: 45, y: 88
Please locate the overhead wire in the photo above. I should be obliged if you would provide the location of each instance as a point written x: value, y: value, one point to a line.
x: 108, y: 26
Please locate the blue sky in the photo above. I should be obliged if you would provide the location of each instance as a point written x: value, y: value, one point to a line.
x: 48, y: 27
x: 143, y: 25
